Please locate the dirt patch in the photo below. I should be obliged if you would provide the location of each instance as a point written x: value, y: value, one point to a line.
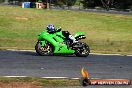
x: 20, y: 85
x: 21, y: 18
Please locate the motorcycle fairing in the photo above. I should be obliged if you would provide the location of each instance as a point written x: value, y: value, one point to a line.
x: 56, y: 40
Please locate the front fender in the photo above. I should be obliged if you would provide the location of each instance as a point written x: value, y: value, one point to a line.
x: 42, y: 42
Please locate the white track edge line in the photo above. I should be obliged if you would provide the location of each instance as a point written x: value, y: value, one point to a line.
x: 90, y: 53
x: 109, y: 54
x: 15, y: 76
x: 55, y: 77
x: 46, y: 77
x: 20, y: 50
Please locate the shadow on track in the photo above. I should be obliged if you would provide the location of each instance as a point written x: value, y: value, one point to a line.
x: 27, y: 53
x: 35, y: 54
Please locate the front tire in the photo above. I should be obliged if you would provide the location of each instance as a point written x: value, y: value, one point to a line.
x: 82, y: 51
x: 44, y: 50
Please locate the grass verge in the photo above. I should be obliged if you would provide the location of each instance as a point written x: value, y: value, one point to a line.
x: 30, y: 82
x: 106, y: 33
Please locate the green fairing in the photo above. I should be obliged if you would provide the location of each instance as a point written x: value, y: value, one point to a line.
x: 56, y: 41
x: 42, y: 43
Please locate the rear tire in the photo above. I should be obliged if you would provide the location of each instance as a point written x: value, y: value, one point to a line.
x: 83, y: 51
x: 44, y: 50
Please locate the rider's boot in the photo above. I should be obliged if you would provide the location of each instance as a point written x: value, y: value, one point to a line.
x: 73, y: 39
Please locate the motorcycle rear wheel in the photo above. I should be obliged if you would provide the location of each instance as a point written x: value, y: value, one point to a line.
x: 83, y: 51
x: 44, y: 50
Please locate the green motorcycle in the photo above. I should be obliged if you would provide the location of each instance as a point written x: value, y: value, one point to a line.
x: 52, y: 44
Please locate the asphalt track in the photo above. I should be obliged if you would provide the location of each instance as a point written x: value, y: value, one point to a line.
x: 25, y: 63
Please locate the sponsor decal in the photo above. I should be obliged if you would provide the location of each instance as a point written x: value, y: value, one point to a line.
x: 85, y: 80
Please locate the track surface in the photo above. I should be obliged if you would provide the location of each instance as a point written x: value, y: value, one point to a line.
x: 24, y: 63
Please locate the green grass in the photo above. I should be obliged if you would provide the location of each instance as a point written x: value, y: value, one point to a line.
x: 40, y: 81
x: 106, y: 33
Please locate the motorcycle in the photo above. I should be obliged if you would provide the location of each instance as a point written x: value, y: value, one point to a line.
x: 52, y: 44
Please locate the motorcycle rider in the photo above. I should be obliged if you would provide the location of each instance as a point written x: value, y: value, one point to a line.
x: 51, y: 29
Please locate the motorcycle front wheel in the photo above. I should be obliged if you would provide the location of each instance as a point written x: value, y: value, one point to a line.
x: 45, y: 50
x: 82, y: 51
